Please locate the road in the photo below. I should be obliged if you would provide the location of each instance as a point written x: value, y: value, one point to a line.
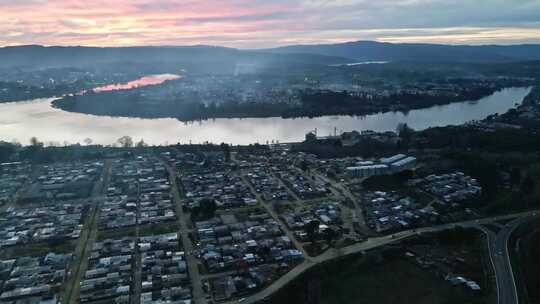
x: 350, y: 215
x: 497, y: 244
x: 275, y: 216
x: 376, y: 242
x: 199, y: 296
x: 88, y: 237
x: 500, y: 259
x: 137, y: 273
x: 347, y: 194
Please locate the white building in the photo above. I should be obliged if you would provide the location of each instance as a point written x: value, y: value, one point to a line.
x: 392, y: 159
x: 366, y: 171
x: 404, y: 164
x: 387, y: 165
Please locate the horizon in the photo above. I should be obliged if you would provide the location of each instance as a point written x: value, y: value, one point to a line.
x: 269, y: 151
x: 260, y: 24
x: 262, y: 49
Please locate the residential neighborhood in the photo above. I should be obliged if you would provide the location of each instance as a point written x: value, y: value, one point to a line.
x: 171, y: 226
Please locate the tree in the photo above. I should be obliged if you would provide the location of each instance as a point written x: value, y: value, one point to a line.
x: 483, y: 169
x: 528, y: 185
x: 330, y: 235
x: 312, y: 229
x: 6, y: 151
x: 195, y: 212
x: 88, y: 141
x: 405, y: 133
x: 304, y: 166
x: 141, y: 144
x: 515, y: 176
x: 35, y: 142
x: 226, y: 151
x: 265, y: 251
x: 404, y: 175
x: 125, y: 141
x: 208, y: 208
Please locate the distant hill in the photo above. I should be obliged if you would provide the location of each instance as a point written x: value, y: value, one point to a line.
x: 35, y: 56
x: 206, y: 58
x: 416, y: 52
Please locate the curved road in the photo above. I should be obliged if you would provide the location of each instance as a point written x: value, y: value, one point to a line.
x: 500, y: 259
x: 506, y: 277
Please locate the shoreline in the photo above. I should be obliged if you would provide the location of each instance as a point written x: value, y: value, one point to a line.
x: 60, y: 104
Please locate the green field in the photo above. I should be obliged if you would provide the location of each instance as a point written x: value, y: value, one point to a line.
x: 386, y: 278
x: 389, y: 282
x: 37, y: 249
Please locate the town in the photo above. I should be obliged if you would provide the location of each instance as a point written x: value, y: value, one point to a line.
x: 132, y: 223
x: 186, y: 224
x: 269, y: 152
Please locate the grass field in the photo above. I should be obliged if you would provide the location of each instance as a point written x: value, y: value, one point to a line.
x: 526, y: 264
x: 378, y: 277
x: 395, y: 281
x: 36, y: 249
x: 116, y: 233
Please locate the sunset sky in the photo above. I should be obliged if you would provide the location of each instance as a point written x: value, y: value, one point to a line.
x: 266, y: 23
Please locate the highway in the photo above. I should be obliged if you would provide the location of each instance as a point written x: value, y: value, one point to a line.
x: 502, y: 265
x: 500, y: 258
x: 497, y: 245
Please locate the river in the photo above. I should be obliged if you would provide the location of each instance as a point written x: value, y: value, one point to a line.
x: 21, y: 120
x: 141, y: 82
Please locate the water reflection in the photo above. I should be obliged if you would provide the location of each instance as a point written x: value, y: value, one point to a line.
x: 20, y: 121
x: 141, y: 82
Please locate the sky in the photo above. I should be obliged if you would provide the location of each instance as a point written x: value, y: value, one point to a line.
x: 266, y: 23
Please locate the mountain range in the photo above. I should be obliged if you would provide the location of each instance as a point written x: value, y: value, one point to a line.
x: 417, y: 52
x: 35, y: 56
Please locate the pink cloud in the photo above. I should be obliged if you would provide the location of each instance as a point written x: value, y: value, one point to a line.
x: 246, y: 23
x: 100, y: 22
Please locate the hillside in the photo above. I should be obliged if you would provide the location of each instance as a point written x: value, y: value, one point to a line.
x: 378, y: 51
x: 207, y: 57
x: 35, y: 56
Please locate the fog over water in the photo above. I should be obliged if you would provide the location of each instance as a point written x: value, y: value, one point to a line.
x: 22, y: 120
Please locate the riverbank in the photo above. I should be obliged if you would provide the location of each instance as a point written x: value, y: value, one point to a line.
x: 312, y: 104
x: 22, y: 120
x: 19, y: 92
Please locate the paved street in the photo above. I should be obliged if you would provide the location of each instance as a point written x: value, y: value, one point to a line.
x: 347, y: 194
x: 88, y: 237
x: 199, y: 295
x: 276, y: 217
x: 500, y: 259
x: 375, y: 242
x: 497, y: 243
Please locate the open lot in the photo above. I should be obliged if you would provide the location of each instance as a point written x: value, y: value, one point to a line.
x: 434, y: 268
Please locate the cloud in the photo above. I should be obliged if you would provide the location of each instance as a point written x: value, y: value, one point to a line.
x: 77, y: 22
x: 264, y: 23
